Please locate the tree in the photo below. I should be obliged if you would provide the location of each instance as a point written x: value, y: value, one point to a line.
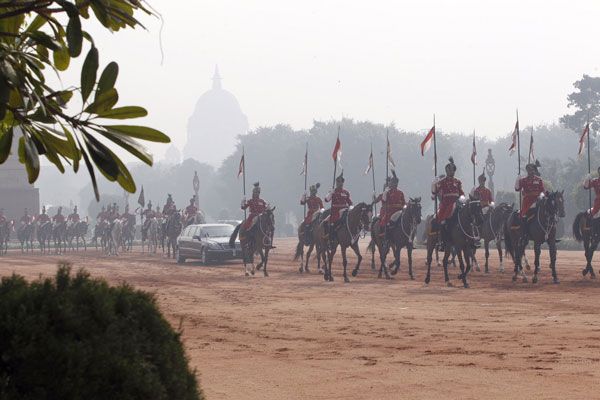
x: 585, y: 100
x: 41, y: 36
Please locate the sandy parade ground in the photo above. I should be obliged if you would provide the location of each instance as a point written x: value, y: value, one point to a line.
x: 292, y: 336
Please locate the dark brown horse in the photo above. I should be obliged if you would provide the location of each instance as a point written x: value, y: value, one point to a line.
x: 257, y: 240
x: 5, y: 229
x: 461, y: 237
x: 314, y: 243
x: 26, y: 234
x: 492, y: 228
x: 583, y: 231
x: 540, y: 226
x: 347, y: 233
x: 173, y: 228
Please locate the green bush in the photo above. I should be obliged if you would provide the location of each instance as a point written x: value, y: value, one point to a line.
x: 74, y: 337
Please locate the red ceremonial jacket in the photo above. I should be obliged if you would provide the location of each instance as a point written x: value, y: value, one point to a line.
x: 59, y: 218
x: 594, y: 184
x: 257, y: 206
x: 73, y: 217
x: 449, y: 190
x: 393, y: 202
x: 484, y: 195
x: 314, y: 204
x: 530, y: 187
x: 340, y: 199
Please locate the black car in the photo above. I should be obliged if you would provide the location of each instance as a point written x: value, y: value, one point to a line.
x: 207, y: 242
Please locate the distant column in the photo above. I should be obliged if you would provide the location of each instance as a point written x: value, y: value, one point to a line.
x: 490, y: 168
x: 196, y: 183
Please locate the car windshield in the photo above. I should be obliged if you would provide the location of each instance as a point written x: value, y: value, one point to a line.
x: 216, y: 231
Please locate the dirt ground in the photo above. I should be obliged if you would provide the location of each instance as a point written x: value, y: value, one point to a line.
x: 292, y: 336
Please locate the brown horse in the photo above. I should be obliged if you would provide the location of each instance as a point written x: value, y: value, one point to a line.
x: 461, y: 237
x: 5, y: 228
x: 314, y: 243
x: 347, y: 232
x: 583, y: 231
x: 492, y: 228
x: 173, y: 228
x: 257, y: 240
x: 539, y: 227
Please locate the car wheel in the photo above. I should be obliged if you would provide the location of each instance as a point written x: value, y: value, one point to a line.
x: 180, y: 260
x: 204, y: 257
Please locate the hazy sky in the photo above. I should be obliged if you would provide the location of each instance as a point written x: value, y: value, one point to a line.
x: 472, y: 62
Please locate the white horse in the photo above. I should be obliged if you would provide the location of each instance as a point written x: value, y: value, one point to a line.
x: 153, y: 235
x: 116, y: 237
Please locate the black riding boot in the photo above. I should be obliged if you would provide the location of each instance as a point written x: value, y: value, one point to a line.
x: 307, y: 236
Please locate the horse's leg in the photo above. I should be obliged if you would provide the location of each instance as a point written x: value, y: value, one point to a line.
x: 499, y: 247
x: 373, y: 254
x: 264, y: 256
x: 345, y: 263
x: 330, y: 256
x: 383, y: 250
x: 486, y: 246
x: 359, y: 258
x: 552, y: 249
x: 591, y: 249
x: 537, y: 249
x: 308, y: 253
x: 447, y: 252
x: 429, y: 260
x: 409, y: 250
x: 475, y: 262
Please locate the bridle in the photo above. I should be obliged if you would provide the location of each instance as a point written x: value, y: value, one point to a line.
x: 551, y: 218
x: 413, y: 221
x: 467, y: 207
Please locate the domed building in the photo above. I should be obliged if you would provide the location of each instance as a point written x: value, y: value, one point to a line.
x: 215, y: 124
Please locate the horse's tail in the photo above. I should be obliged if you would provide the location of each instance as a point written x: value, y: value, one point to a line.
x: 299, y: 248
x: 371, y: 246
x: 234, y: 236
x: 577, y: 234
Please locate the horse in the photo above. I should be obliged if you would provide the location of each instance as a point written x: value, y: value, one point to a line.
x: 540, y: 226
x: 314, y: 243
x: 459, y: 226
x: 115, y: 237
x: 493, y: 229
x: 77, y: 230
x: 44, y: 235
x: 403, y: 234
x: 152, y: 235
x: 172, y: 230
x: 257, y: 240
x: 583, y: 231
x: 59, y: 234
x: 347, y: 232
x: 25, y: 234
x: 128, y: 231
x: 5, y: 228
x: 101, y: 231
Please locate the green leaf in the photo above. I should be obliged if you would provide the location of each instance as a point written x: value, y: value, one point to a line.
x: 104, y: 102
x: 139, y: 132
x: 129, y: 144
x: 102, y: 157
x: 4, y: 96
x: 88, y: 73
x: 124, y: 112
x: 90, y: 169
x: 44, y: 39
x: 73, y: 146
x: 74, y: 35
x: 108, y: 78
x: 36, y: 24
x: 5, y: 144
x: 29, y: 156
x: 61, y: 59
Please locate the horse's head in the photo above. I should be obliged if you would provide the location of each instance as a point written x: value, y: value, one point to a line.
x: 504, y: 210
x: 365, y: 214
x: 555, y: 204
x: 474, y: 207
x: 413, y: 209
x: 269, y: 218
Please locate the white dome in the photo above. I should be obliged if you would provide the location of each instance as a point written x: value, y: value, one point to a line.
x: 214, y: 126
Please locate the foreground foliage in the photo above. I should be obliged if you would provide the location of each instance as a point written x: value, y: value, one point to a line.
x: 38, y: 37
x: 74, y: 337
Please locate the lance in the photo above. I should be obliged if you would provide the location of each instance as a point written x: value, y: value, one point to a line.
x: 530, y: 145
x: 474, y: 157
x: 519, y: 157
x: 335, y: 159
x: 435, y: 165
x: 373, y: 175
x: 244, y: 176
x: 589, y: 158
x: 387, y: 153
x: 305, y: 175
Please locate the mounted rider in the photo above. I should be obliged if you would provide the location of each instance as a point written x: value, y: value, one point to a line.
x: 169, y: 207
x: 157, y: 213
x: 73, y: 218
x: 26, y: 219
x: 393, y: 202
x: 58, y: 218
x: 449, y: 190
x: 314, y: 205
x: 43, y: 218
x: 148, y: 214
x: 190, y: 211
x: 101, y: 215
x: 589, y: 184
x: 531, y: 187
x: 485, y: 196
x: 256, y: 205
x: 2, y: 217
x: 340, y: 201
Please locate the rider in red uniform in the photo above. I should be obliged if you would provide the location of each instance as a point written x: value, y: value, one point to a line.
x: 74, y: 216
x: 393, y: 202
x: 58, y: 218
x: 256, y: 205
x: 26, y: 218
x: 379, y: 199
x: 594, y: 184
x: 531, y: 186
x: 449, y: 190
x: 169, y: 207
x: 340, y: 200
x: 314, y: 204
x: 191, y: 210
x: 148, y: 214
x: 483, y: 194
x: 43, y: 217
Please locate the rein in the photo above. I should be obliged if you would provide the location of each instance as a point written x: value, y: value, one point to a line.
x: 413, y: 225
x: 551, y: 224
x: 461, y: 226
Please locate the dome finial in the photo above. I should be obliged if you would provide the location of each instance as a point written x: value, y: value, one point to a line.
x: 216, y: 78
